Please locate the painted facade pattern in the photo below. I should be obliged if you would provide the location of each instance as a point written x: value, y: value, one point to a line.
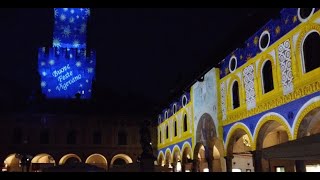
x: 248, y: 78
x: 284, y: 55
x: 223, y: 101
x: 295, y: 92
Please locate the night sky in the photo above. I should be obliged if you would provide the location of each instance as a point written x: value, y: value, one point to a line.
x: 146, y: 58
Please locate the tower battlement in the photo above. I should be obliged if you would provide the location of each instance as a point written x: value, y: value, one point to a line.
x: 66, y: 53
x: 68, y: 68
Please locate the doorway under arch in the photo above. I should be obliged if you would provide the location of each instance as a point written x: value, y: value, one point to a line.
x: 203, y: 151
x: 120, y: 159
x: 270, y: 134
x: 310, y: 125
x: 42, y: 160
x: 239, y: 148
x: 161, y: 161
x: 97, y: 160
x: 187, y: 158
x: 70, y: 158
x: 12, y: 163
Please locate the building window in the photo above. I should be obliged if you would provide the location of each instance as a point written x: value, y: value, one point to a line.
x: 185, y: 123
x: 311, y: 53
x: 184, y: 100
x: 264, y: 40
x: 160, y: 137
x: 167, y: 132
x: 267, y: 78
x: 122, y: 138
x: 235, y: 95
x: 97, y: 137
x: 174, y: 108
x: 305, y: 13
x: 166, y: 115
x: 44, y: 136
x: 232, y: 64
x: 17, y: 136
x: 175, y: 128
x: 72, y: 138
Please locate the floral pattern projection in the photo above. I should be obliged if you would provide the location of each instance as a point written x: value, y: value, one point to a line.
x: 67, y: 69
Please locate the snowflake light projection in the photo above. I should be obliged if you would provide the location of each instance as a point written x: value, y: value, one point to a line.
x: 67, y: 68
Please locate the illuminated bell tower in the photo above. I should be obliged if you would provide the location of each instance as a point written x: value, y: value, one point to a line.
x: 67, y: 69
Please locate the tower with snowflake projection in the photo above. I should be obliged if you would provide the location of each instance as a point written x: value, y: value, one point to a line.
x: 67, y: 68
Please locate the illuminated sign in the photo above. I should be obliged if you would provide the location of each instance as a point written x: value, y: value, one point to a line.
x: 65, y: 73
x: 66, y: 69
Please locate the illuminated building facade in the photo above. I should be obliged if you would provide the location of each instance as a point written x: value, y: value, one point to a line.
x: 258, y: 110
x: 68, y: 68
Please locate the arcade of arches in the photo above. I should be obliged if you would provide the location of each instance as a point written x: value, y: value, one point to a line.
x: 43, y: 160
x: 244, y: 154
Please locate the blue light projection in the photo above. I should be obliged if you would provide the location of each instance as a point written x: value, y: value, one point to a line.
x: 70, y: 27
x: 67, y: 68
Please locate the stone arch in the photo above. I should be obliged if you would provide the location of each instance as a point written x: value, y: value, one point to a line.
x: 72, y: 158
x: 238, y: 148
x: 235, y: 128
x: 186, y: 147
x: 176, y: 154
x: 42, y: 158
x: 199, y: 158
x: 168, y: 158
x: 97, y: 160
x: 205, y: 134
x: 271, y: 130
x: 12, y: 163
x: 270, y: 117
x: 237, y: 144
x: 123, y: 157
x: 161, y: 160
x: 186, y: 157
x: 309, y: 108
x: 206, y: 130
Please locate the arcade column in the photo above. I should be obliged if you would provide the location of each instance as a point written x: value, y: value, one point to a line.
x: 229, y: 163
x: 257, y: 160
x: 300, y: 166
